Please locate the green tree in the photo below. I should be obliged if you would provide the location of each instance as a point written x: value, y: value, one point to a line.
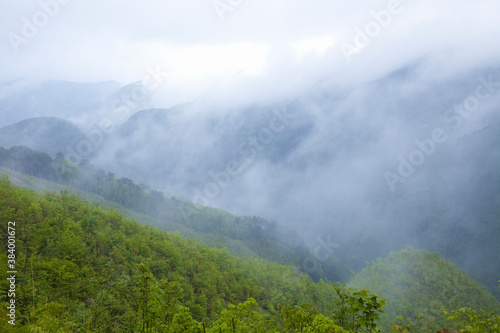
x: 357, y: 310
x: 470, y: 321
x: 241, y: 318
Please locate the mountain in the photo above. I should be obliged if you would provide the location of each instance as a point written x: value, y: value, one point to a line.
x: 75, y: 260
x: 48, y: 134
x: 246, y: 235
x: 183, y: 146
x: 22, y: 99
x: 326, y: 169
x: 81, y: 267
x: 419, y: 170
x: 418, y: 282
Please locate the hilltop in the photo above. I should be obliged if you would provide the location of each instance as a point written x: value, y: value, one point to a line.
x: 418, y: 282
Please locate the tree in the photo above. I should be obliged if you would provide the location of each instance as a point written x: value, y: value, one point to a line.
x: 469, y: 321
x: 357, y: 310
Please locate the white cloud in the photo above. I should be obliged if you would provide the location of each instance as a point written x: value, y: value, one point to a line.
x: 315, y: 44
x: 117, y: 40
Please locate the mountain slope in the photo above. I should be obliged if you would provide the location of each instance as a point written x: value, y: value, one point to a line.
x: 247, y: 235
x: 21, y: 100
x: 418, y: 282
x: 76, y: 260
x: 79, y: 267
x: 319, y: 163
x: 48, y: 134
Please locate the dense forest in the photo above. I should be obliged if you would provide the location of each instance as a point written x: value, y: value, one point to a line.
x: 418, y: 282
x: 249, y: 235
x: 82, y: 268
x: 230, y: 166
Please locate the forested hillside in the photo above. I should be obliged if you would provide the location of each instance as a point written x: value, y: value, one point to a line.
x: 81, y: 268
x: 249, y: 235
x: 230, y: 166
x: 418, y: 282
x: 45, y: 134
x: 450, y: 204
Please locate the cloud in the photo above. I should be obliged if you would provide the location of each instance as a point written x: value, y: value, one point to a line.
x: 366, y: 80
x: 263, y: 52
x: 257, y: 40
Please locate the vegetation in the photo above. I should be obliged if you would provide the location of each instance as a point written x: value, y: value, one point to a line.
x: 416, y: 282
x: 248, y: 235
x: 83, y: 268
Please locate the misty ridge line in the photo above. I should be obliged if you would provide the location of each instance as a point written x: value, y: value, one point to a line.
x: 455, y: 116
x: 49, y: 9
x: 121, y: 109
x: 248, y: 151
x: 323, y: 250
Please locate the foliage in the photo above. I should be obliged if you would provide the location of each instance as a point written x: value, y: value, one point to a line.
x: 469, y: 321
x: 304, y: 318
x: 243, y: 317
x: 80, y: 266
x: 416, y: 282
x: 247, y: 235
x: 298, y: 318
x: 406, y: 325
x: 357, y: 310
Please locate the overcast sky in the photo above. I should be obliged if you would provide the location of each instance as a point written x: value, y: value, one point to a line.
x: 202, y: 47
x: 258, y: 51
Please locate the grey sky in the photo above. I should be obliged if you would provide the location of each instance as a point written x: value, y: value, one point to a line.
x: 325, y: 174
x: 257, y: 43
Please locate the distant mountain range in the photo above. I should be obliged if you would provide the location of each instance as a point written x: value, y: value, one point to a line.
x: 23, y: 99
x: 47, y: 134
x: 83, y: 103
x: 390, y: 162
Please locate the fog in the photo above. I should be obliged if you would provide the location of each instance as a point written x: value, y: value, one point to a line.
x: 328, y: 162
x: 355, y: 121
x: 205, y: 52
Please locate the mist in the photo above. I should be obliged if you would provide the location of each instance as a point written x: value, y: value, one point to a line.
x: 365, y: 122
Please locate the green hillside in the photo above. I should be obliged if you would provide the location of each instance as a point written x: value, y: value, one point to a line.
x: 81, y: 268
x: 47, y: 134
x: 248, y: 235
x: 76, y: 260
x: 212, y: 239
x: 418, y: 282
